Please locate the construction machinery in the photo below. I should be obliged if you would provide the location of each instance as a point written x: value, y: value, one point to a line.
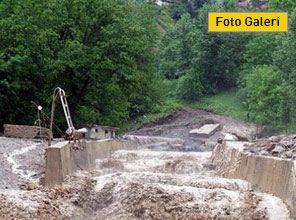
x: 71, y: 133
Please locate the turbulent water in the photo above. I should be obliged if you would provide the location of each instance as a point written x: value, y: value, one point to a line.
x: 173, y: 185
x: 141, y: 184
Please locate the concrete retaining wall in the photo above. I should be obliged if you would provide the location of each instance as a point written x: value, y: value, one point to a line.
x: 267, y: 174
x: 62, y: 159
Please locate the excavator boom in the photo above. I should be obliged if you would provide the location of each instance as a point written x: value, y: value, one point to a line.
x: 71, y: 132
x: 60, y: 92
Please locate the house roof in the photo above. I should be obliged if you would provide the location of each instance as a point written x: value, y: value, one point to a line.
x: 103, y: 127
x: 110, y: 128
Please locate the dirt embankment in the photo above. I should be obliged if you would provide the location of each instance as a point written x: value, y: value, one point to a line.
x: 179, y: 124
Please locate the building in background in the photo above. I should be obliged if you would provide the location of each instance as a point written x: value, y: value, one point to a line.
x: 101, y: 132
x: 259, y: 3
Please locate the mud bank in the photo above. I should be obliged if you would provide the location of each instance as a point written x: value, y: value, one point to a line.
x: 267, y: 174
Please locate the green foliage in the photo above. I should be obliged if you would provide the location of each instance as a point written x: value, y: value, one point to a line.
x: 178, y: 9
x: 259, y: 50
x: 195, y: 6
x: 263, y: 92
x: 164, y: 19
x: 283, y: 5
x: 284, y: 56
x: 115, y: 64
x: 203, y: 62
x: 190, y: 87
x: 217, y: 58
x: 175, y: 50
x: 268, y: 78
x: 263, y: 65
x: 101, y: 52
x: 257, y: 4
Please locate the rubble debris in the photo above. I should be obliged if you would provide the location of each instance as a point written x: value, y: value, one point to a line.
x: 277, y: 146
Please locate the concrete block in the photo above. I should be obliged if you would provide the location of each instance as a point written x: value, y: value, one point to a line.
x: 62, y: 159
x: 56, y: 164
x: 205, y: 131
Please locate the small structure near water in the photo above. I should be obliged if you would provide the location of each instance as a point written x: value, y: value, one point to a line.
x: 101, y: 132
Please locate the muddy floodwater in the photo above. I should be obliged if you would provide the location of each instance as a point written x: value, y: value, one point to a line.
x: 169, y: 177
x: 139, y: 184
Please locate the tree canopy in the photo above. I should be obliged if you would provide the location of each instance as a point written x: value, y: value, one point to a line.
x: 123, y: 59
x: 100, y: 51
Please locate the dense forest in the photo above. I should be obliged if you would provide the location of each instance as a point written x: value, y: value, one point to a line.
x: 122, y: 59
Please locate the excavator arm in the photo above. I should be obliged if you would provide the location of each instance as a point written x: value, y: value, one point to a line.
x: 71, y: 132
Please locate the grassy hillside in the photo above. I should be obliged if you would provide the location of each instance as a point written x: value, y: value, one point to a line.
x: 224, y: 103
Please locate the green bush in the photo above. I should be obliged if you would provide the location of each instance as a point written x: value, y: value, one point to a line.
x: 190, y: 87
x: 264, y: 91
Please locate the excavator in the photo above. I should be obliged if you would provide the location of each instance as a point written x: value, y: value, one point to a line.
x: 71, y: 133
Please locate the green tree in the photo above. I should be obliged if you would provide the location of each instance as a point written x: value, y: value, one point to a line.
x: 203, y: 61
x: 195, y: 6
x: 264, y: 86
x: 175, y: 50
x: 283, y: 5
x: 257, y: 4
x: 270, y: 60
x: 178, y: 9
x: 259, y: 50
x: 190, y: 87
x: 101, y: 52
x: 217, y: 59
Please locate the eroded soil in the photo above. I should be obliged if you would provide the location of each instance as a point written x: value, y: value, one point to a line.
x: 181, y: 122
